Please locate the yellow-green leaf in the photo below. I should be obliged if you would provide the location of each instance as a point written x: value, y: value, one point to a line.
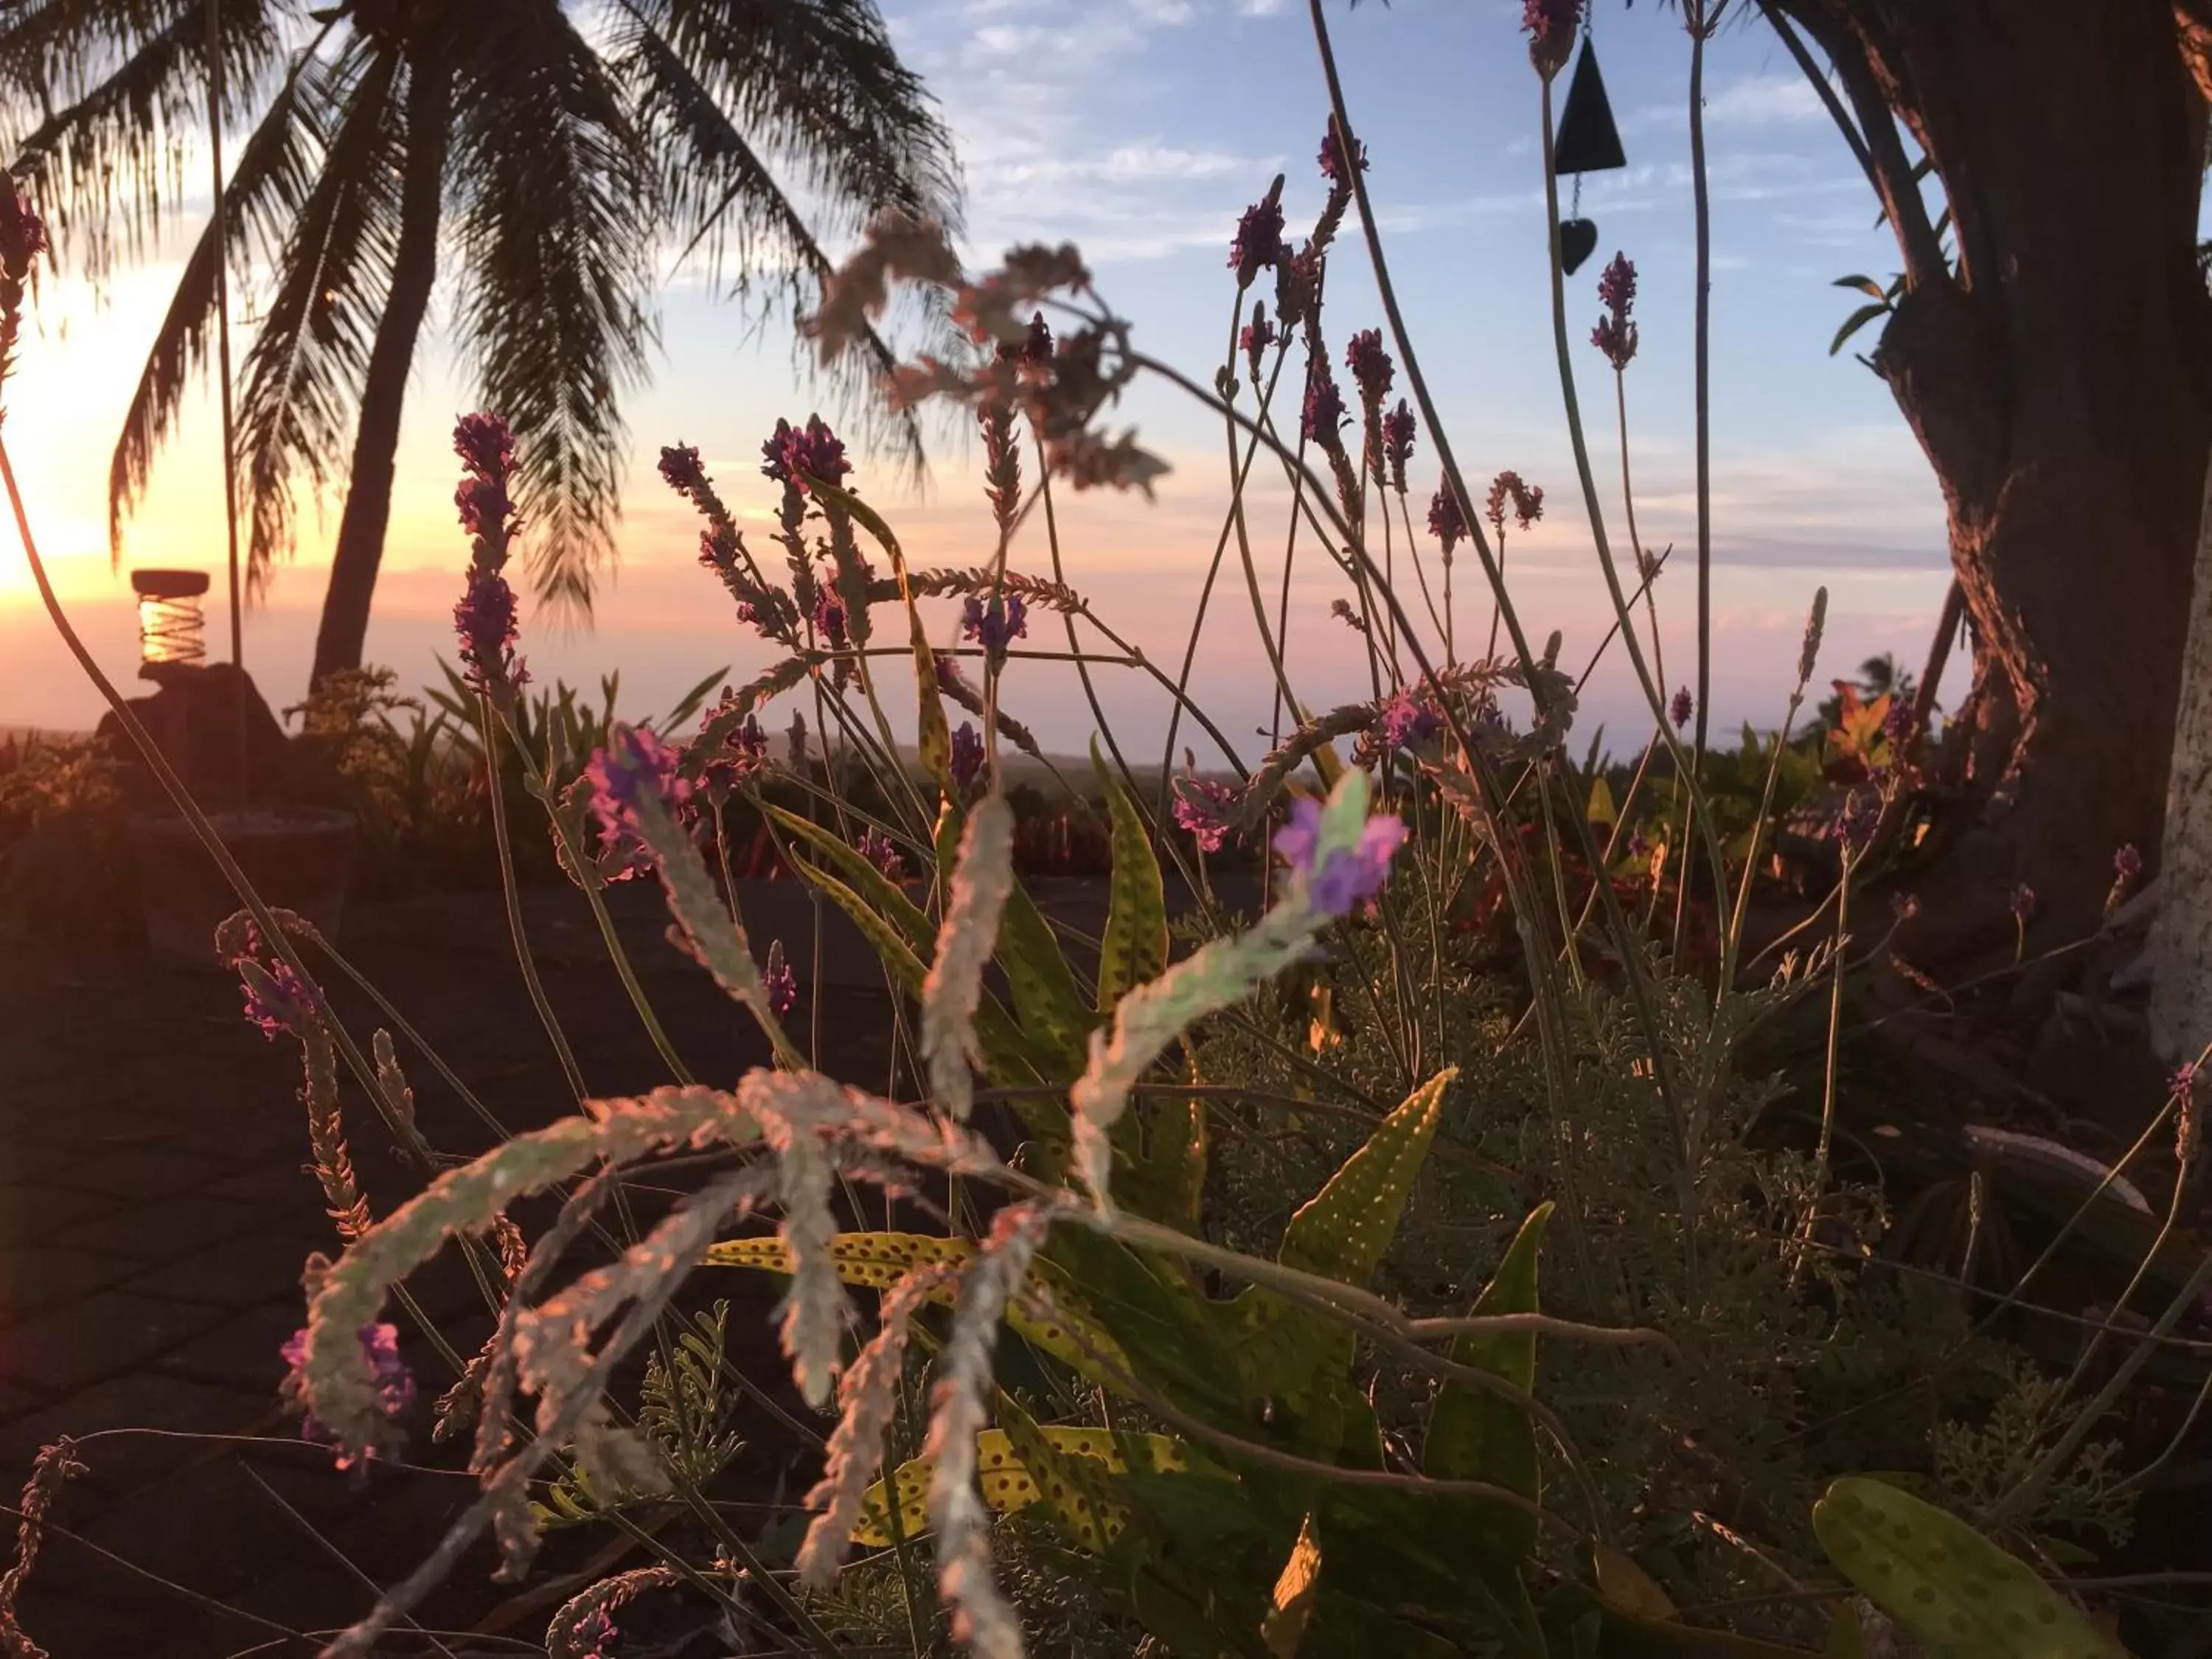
x: 1297, y: 1588
x: 1627, y: 1586
x: 1344, y: 1229
x: 1005, y: 1483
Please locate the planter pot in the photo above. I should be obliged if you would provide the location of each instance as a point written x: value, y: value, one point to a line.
x: 298, y: 857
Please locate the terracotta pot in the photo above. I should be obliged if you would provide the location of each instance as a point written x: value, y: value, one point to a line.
x: 298, y: 857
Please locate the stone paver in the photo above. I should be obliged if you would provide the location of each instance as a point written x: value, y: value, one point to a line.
x: 159, y: 1229
x: 35, y: 1277
x: 95, y: 1337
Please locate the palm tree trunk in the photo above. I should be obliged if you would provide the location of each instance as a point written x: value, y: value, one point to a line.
x: 2181, y: 936
x: 345, y: 629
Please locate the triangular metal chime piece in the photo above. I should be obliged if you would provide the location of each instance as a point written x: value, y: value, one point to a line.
x: 1588, y: 142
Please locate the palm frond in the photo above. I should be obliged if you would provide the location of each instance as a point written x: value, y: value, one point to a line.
x: 272, y: 177
x: 106, y: 166
x: 704, y: 157
x: 302, y: 376
x: 555, y: 222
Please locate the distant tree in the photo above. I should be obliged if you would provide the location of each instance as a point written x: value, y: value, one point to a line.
x: 2051, y: 348
x: 540, y: 155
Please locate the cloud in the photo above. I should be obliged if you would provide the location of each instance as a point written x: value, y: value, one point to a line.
x: 1762, y: 101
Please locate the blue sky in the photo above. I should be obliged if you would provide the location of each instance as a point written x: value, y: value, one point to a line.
x: 1139, y: 129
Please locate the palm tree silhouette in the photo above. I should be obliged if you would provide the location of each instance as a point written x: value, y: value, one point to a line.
x: 541, y: 156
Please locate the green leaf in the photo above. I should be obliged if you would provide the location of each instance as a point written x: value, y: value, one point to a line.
x: 1135, y: 947
x: 1007, y: 1479
x: 1291, y: 1356
x: 1857, y: 320
x: 1600, y: 811
x: 886, y: 896
x: 1956, y: 1594
x: 1478, y: 1434
x: 1865, y: 285
x: 1344, y: 1229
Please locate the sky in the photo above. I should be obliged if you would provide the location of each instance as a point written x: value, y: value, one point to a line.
x: 1139, y: 130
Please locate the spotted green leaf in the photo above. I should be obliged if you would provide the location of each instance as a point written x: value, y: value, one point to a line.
x: 1135, y: 946
x: 1956, y: 1594
x: 1047, y: 1003
x: 1478, y: 1434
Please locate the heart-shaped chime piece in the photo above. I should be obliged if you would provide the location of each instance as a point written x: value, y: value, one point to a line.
x: 1578, y: 241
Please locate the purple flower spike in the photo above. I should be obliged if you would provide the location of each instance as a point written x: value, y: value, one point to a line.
x: 1615, y: 333
x: 2021, y: 902
x: 1259, y: 241
x: 782, y: 983
x: 812, y: 449
x: 1680, y: 707
x: 283, y: 1002
x: 967, y: 757
x: 1256, y: 338
x: 2127, y: 864
x: 484, y: 620
x: 1398, y: 429
x: 681, y: 470
x: 1446, y: 522
x: 996, y: 625
x: 1371, y: 366
x: 395, y: 1384
x: 880, y: 851
x: 1206, y: 810
x: 1332, y: 160
x: 1405, y: 721
x: 636, y: 766
x: 485, y: 445
x: 1322, y: 417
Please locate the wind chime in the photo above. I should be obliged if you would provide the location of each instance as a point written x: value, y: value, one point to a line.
x: 1587, y: 141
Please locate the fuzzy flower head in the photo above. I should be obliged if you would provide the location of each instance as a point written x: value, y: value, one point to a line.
x: 1615, y: 334
x: 830, y: 618
x: 1680, y: 707
x: 780, y: 982
x: 278, y: 999
x: 1371, y: 366
x: 485, y: 446
x: 635, y: 767
x: 1550, y: 26
x: 1256, y: 338
x: 1897, y: 721
x: 1398, y: 429
x: 2021, y: 902
x: 743, y: 754
x: 1205, y: 809
x: 1446, y: 522
x: 994, y: 624
x: 1406, y: 720
x: 813, y: 450
x: 967, y: 757
x: 484, y: 621
x: 1259, y: 241
x: 1337, y: 879
x: 1321, y: 419
x: 681, y: 470
x: 394, y: 1383
x: 1525, y: 500
x: 2127, y: 864
x: 1332, y: 161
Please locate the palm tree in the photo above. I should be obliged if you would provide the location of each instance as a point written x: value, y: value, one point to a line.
x: 539, y: 155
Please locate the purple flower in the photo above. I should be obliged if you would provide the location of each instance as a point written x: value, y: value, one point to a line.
x: 680, y: 469
x: 635, y: 767
x: 484, y: 620
x: 1897, y: 723
x: 1615, y: 333
x: 744, y: 752
x: 1353, y: 875
x: 1680, y: 707
x: 1322, y: 418
x: 2127, y: 864
x: 781, y: 983
x: 1036, y: 345
x: 967, y: 757
x: 1259, y: 241
x: 1405, y: 721
x: 1856, y: 824
x: 879, y: 851
x: 1904, y: 905
x: 2021, y: 902
x: 1332, y: 161
x: 1256, y: 338
x: 1446, y: 522
x: 812, y: 449
x: 483, y: 504
x: 829, y: 617
x: 996, y: 625
x: 395, y: 1384
x: 1528, y: 501
x: 485, y: 445
x: 1550, y: 25
x: 593, y: 1637
x: 1398, y: 429
x: 1206, y: 810
x: 2184, y: 1084
x: 1371, y: 366
x: 282, y: 1001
